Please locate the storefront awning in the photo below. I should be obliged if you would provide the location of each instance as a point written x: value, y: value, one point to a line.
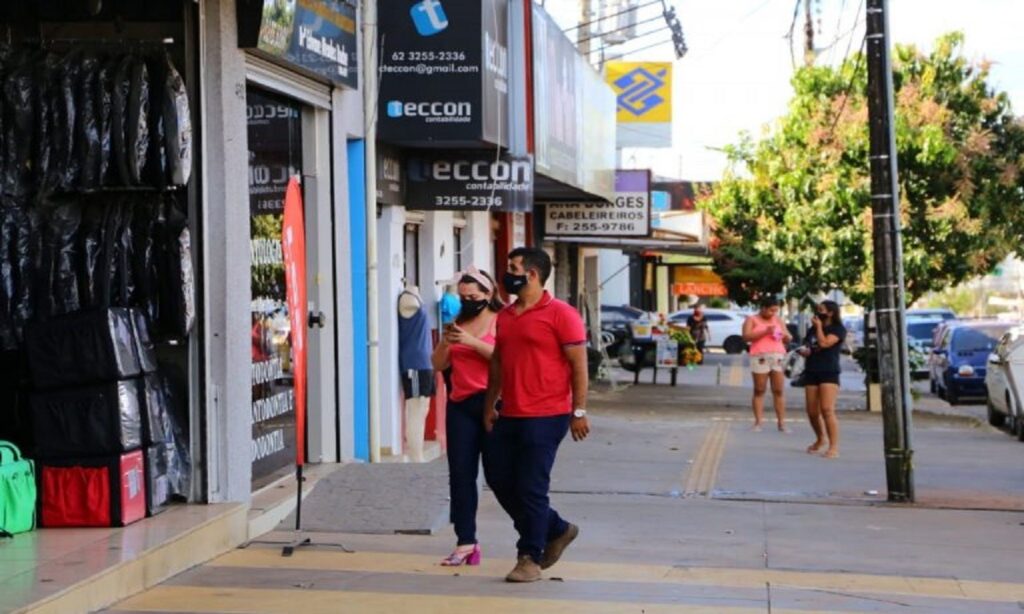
x: 636, y: 245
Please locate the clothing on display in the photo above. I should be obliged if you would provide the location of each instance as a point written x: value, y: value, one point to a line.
x: 96, y: 278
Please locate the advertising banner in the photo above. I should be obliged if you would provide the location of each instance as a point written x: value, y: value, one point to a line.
x: 444, y: 72
x: 628, y: 216
x: 556, y: 117
x: 293, y: 244
x: 469, y: 181
x: 643, y: 93
x: 315, y: 36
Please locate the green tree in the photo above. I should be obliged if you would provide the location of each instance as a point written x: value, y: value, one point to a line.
x: 793, y: 212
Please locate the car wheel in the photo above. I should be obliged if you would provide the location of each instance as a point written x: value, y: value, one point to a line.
x: 951, y: 396
x: 1018, y: 426
x: 994, y: 417
x: 734, y: 345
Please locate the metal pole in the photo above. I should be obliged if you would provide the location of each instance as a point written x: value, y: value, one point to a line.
x: 583, y: 35
x: 890, y: 307
x: 369, y: 57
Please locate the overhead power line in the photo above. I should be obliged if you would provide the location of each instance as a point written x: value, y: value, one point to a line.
x: 604, y: 17
x: 600, y: 34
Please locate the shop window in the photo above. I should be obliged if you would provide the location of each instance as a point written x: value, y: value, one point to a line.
x: 275, y: 155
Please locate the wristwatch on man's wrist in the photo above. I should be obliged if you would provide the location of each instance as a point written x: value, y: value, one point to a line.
x: 579, y: 412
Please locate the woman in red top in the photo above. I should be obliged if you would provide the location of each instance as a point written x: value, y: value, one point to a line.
x: 466, y: 348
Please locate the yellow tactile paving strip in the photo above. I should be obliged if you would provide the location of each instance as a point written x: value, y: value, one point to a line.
x: 700, y: 479
x: 377, y: 562
x: 286, y: 601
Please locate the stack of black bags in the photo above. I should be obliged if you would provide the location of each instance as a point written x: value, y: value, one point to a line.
x: 95, y: 267
x: 102, y: 420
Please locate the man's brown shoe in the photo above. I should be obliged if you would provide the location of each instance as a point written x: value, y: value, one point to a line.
x: 527, y: 570
x: 553, y: 551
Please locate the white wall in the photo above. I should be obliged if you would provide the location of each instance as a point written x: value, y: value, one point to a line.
x: 616, y: 289
x: 476, y: 243
x: 390, y: 235
x: 437, y: 258
x: 226, y: 275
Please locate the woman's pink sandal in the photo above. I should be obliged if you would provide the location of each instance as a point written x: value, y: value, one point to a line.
x: 455, y: 559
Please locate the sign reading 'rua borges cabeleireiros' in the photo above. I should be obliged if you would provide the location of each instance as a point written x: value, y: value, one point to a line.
x: 469, y: 181
x: 628, y: 216
x: 444, y: 72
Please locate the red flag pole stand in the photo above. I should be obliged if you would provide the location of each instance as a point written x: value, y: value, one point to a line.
x: 299, y: 540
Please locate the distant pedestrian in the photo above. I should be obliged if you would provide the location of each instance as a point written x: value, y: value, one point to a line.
x: 466, y: 348
x: 767, y: 336
x: 821, y: 376
x: 698, y: 325
x: 539, y: 369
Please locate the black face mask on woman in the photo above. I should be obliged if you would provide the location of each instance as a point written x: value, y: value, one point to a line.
x: 471, y: 308
x: 513, y: 283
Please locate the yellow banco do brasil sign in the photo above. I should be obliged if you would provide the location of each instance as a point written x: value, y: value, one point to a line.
x: 643, y: 91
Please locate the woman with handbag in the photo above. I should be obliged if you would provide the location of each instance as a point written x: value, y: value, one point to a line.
x: 821, y: 376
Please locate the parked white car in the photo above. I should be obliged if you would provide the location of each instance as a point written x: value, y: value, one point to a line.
x: 725, y: 328
x: 1004, y: 380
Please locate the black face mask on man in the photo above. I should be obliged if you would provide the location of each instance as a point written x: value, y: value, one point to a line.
x: 513, y: 283
x: 471, y: 308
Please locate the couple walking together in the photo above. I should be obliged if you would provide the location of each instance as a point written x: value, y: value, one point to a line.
x: 768, y: 337
x: 530, y: 355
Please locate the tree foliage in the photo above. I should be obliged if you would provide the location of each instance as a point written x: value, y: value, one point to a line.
x: 793, y: 212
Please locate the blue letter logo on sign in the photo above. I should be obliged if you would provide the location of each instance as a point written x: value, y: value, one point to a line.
x: 429, y: 18
x: 394, y: 108
x: 638, y: 89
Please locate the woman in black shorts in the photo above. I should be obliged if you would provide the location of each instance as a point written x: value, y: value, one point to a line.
x: 821, y: 376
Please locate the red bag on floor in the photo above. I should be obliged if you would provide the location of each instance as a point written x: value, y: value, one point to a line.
x: 92, y: 492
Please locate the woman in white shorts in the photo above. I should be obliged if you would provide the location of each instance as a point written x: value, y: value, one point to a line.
x: 767, y: 336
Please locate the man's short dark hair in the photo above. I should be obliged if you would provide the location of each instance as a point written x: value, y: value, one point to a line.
x: 534, y: 258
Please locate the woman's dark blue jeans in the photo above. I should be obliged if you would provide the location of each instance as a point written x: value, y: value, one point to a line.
x: 465, y: 431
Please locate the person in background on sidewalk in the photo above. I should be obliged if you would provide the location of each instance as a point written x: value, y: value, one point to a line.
x: 698, y: 326
x: 539, y: 370
x: 466, y: 347
x: 767, y: 336
x: 821, y: 376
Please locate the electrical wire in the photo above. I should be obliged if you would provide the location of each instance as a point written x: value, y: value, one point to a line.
x: 848, y: 88
x: 601, y: 34
x: 638, y: 36
x: 629, y: 10
x: 644, y: 48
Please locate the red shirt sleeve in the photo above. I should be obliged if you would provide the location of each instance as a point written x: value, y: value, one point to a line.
x: 569, y: 326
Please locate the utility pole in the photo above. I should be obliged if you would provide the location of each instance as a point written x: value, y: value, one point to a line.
x: 890, y: 303
x: 583, y: 33
x: 808, y: 34
x: 369, y: 61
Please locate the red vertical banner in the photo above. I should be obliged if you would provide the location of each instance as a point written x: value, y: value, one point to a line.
x: 293, y: 245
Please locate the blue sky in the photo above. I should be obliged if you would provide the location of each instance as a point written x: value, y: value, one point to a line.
x: 736, y: 74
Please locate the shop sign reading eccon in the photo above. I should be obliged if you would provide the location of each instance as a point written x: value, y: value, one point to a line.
x: 469, y: 181
x: 444, y: 72
x: 628, y: 216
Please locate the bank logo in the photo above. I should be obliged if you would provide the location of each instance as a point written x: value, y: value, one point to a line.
x: 429, y: 17
x: 639, y: 90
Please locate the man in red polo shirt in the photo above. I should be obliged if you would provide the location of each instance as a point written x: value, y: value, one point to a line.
x: 539, y: 370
